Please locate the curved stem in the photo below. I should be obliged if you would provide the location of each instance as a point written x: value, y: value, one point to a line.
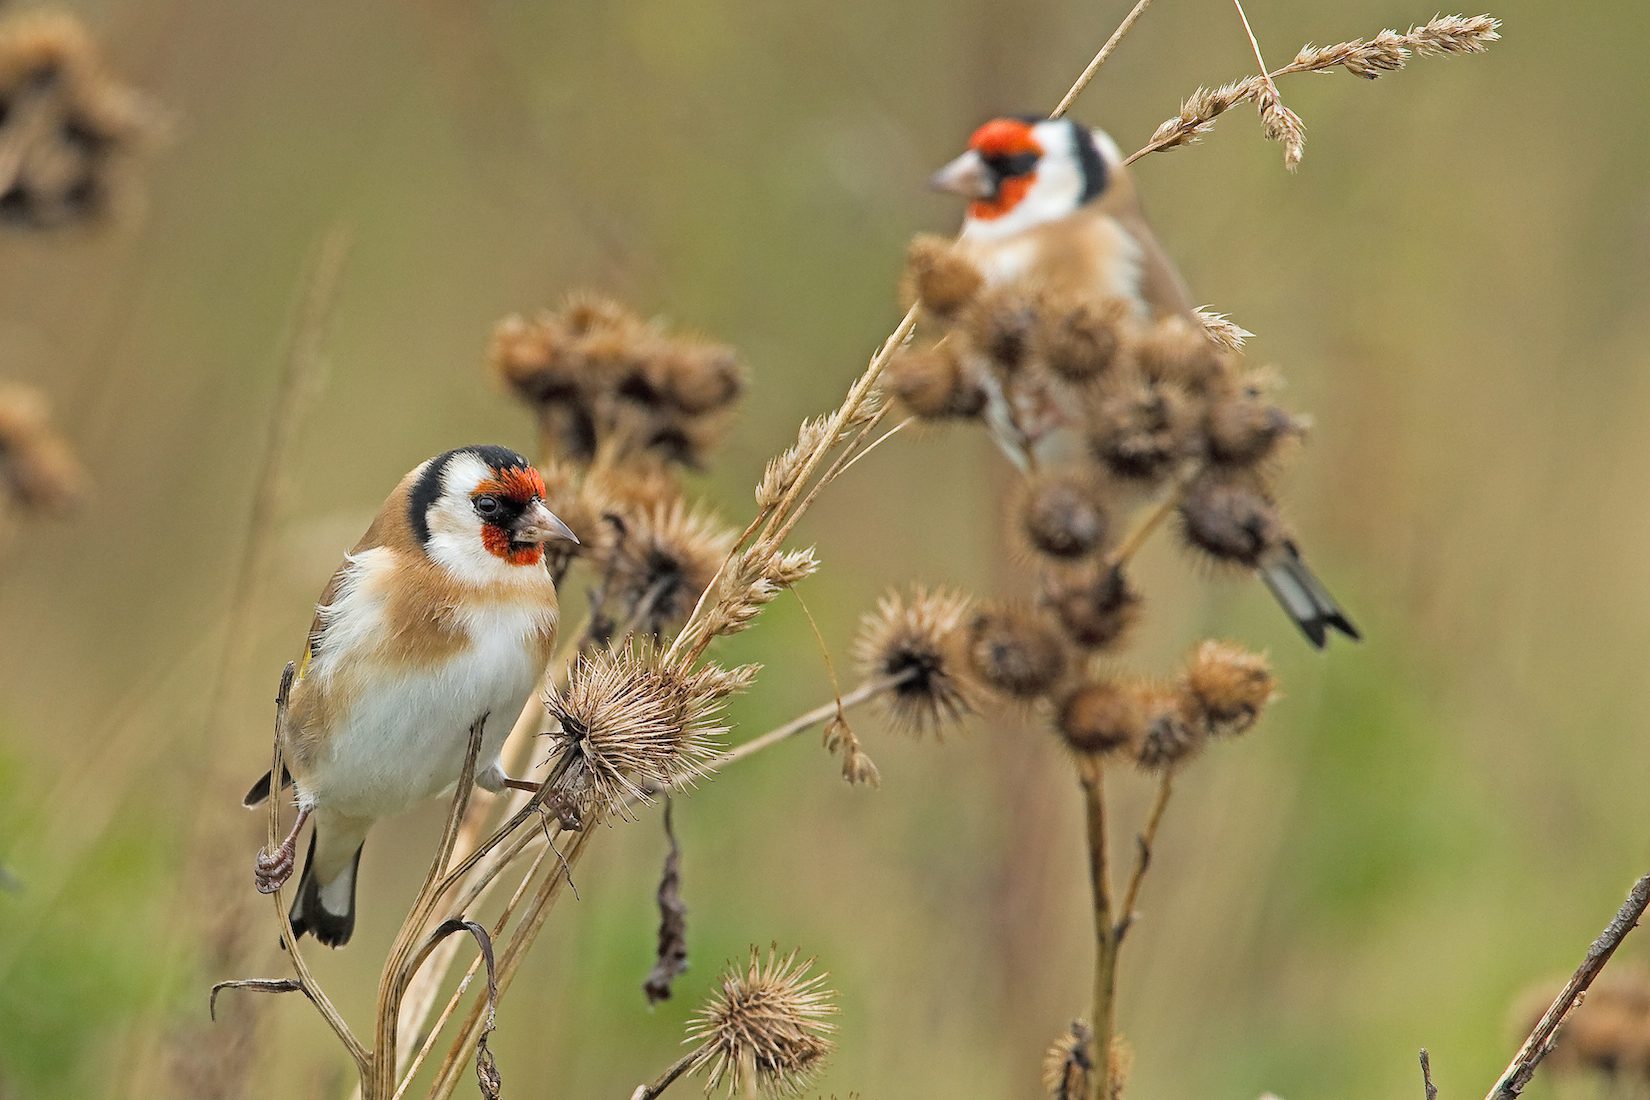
x: 667, y: 1078
x: 1143, y: 853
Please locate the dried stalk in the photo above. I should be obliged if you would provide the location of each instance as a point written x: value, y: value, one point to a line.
x: 1100, y: 58
x: 667, y: 1078
x: 1143, y: 853
x: 1104, y: 1011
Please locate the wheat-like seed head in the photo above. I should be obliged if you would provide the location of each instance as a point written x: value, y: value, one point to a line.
x: 767, y: 1028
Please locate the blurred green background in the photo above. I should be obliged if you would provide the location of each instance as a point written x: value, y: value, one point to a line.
x: 1454, y: 283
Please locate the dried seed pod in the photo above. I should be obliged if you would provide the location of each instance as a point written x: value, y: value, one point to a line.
x: 1242, y: 427
x: 939, y: 276
x: 1079, y: 339
x: 766, y: 1031
x: 1173, y: 734
x: 1000, y: 323
x: 1140, y: 428
x: 1097, y: 608
x: 1231, y: 520
x: 1103, y: 718
x: 919, y: 639
x: 934, y: 384
x: 1174, y: 350
x: 1063, y: 516
x: 1227, y: 687
x: 37, y: 467
x: 531, y: 358
x: 1013, y: 651
x: 1069, y: 1063
x: 701, y: 377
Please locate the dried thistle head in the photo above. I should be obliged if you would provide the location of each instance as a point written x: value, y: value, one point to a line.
x: 1000, y: 323
x: 1174, y: 350
x: 1063, y: 515
x: 1244, y: 426
x: 767, y: 1029
x: 700, y: 377
x: 1068, y: 1066
x: 1103, y: 718
x: 934, y: 383
x: 1079, y: 338
x: 663, y: 558
x: 37, y: 468
x: 69, y: 127
x: 1231, y: 519
x: 939, y: 276
x: 1015, y: 652
x: 1096, y: 608
x: 1227, y: 687
x: 1141, y: 428
x: 1173, y: 732
x: 919, y: 638
x: 631, y: 726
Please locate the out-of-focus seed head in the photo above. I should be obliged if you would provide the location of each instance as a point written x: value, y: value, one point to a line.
x: 939, y: 276
x: 630, y: 729
x: 1139, y: 428
x: 588, y: 311
x: 1608, y: 1033
x: 1230, y: 519
x: 531, y: 357
x: 37, y: 468
x: 1079, y: 338
x: 934, y: 383
x: 1173, y: 734
x: 919, y: 638
x: 1175, y: 350
x: 1000, y: 323
x: 1243, y: 426
x: 1227, y: 687
x: 664, y: 559
x: 1015, y: 652
x: 1102, y: 718
x: 1063, y: 516
x: 767, y: 1030
x: 702, y: 377
x: 1097, y: 608
x: 1068, y: 1066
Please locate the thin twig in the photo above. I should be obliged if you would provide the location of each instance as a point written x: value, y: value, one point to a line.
x: 1160, y: 512
x: 667, y: 1078
x: 1143, y: 853
x: 1254, y: 45
x: 1540, y: 1041
x: 1426, y: 1075
x: 1100, y: 58
x: 1104, y: 1013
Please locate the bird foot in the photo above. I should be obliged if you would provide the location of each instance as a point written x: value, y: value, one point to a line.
x: 271, y: 869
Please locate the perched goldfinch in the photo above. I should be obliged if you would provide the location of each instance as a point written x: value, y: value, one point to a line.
x: 443, y: 614
x: 1052, y: 206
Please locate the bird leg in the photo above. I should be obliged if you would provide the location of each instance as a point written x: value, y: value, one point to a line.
x: 272, y: 869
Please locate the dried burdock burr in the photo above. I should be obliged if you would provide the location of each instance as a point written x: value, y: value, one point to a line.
x: 37, y: 468
x: 1244, y: 426
x: 1096, y: 607
x: 1102, y: 718
x: 1231, y: 519
x: 1173, y: 732
x: 1068, y: 1065
x: 1000, y: 323
x: 934, y: 383
x: 1175, y: 350
x: 939, y: 276
x: 1141, y: 428
x: 68, y: 128
x: 1227, y: 687
x: 701, y: 377
x: 1014, y: 651
x: 919, y: 638
x: 531, y: 358
x: 1079, y: 338
x: 767, y: 1030
x: 1064, y: 516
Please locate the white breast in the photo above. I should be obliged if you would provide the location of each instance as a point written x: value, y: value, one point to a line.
x: 402, y: 737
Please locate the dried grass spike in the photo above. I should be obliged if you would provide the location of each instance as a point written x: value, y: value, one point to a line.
x: 37, y: 467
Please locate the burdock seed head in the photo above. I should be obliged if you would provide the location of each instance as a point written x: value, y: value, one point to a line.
x: 1096, y: 607
x: 1063, y: 515
x: 1176, y: 350
x: 1173, y: 732
x: 767, y: 1029
x: 934, y: 384
x: 1231, y: 519
x: 1014, y: 651
x: 1079, y: 338
x: 664, y: 558
x: 1068, y: 1066
x: 1000, y: 323
x: 532, y: 358
x: 939, y: 276
x: 631, y: 728
x: 701, y: 377
x: 920, y: 639
x: 1244, y: 426
x: 1141, y: 428
x: 1227, y: 687
x: 1103, y: 718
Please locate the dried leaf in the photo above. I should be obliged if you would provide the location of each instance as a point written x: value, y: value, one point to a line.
x: 673, y: 953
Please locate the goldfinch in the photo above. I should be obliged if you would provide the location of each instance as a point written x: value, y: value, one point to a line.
x: 443, y: 615
x: 1051, y: 205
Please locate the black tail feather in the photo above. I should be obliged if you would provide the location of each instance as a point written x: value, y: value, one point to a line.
x: 260, y: 789
x: 1304, y: 598
x: 309, y: 915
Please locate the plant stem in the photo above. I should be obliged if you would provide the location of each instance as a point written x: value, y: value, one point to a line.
x: 1104, y: 1011
x: 1143, y: 854
x: 1100, y: 58
x: 667, y: 1078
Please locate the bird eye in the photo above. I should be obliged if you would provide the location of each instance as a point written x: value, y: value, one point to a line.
x: 487, y: 506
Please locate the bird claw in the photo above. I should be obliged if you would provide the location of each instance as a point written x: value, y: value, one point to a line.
x: 272, y: 869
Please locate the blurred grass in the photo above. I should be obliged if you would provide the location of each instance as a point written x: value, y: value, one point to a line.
x: 1453, y: 284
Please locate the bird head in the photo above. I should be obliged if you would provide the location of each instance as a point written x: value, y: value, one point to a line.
x: 1019, y: 173
x: 478, y: 508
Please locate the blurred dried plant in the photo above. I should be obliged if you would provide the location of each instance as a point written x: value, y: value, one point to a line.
x: 38, y: 471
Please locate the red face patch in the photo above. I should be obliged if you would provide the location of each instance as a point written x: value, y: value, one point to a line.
x: 522, y: 487
x: 1011, y: 152
x: 497, y: 540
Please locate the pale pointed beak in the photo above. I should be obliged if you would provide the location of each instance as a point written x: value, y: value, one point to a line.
x: 540, y: 524
x: 967, y: 176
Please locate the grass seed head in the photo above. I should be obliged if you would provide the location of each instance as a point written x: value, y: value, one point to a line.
x: 37, y: 467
